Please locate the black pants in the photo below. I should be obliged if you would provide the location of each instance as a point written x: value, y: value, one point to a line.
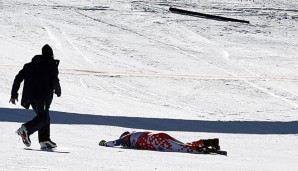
x: 41, y: 122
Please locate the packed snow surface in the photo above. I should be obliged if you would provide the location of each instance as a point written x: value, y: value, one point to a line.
x: 133, y: 65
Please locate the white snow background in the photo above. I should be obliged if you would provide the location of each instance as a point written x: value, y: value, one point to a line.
x: 133, y: 65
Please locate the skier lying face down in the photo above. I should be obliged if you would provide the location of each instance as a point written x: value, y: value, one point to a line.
x: 160, y: 142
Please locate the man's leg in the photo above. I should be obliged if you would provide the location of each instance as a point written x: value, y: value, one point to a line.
x: 42, y: 118
x: 44, y: 133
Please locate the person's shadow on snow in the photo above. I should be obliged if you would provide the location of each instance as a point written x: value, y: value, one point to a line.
x: 159, y: 124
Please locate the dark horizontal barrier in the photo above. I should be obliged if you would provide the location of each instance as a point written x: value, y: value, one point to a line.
x: 197, y: 14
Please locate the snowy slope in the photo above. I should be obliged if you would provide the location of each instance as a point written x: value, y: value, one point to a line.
x: 133, y: 65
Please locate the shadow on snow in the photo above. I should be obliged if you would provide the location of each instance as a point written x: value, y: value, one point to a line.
x: 158, y: 124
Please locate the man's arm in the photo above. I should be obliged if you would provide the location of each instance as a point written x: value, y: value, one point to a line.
x: 55, y: 79
x: 16, y: 86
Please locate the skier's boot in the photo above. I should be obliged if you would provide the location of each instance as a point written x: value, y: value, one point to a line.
x: 47, y: 144
x: 24, y: 135
x: 202, y: 150
x: 214, y: 143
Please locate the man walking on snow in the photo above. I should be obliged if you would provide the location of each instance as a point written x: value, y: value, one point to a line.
x: 40, y: 82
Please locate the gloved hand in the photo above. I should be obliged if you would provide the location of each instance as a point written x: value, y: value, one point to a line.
x: 13, y: 100
x: 58, y: 92
x: 102, y: 143
x: 58, y: 95
x: 57, y: 87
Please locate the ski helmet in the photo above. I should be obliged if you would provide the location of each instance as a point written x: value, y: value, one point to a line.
x: 125, y: 138
x: 124, y: 133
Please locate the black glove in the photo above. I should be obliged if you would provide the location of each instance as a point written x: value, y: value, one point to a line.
x: 13, y: 100
x: 58, y: 92
x: 102, y: 143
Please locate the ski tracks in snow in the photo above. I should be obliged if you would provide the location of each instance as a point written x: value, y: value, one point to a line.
x: 247, y: 80
x: 56, y: 38
x: 77, y: 50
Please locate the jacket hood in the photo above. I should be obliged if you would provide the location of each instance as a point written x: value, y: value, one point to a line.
x: 47, y: 51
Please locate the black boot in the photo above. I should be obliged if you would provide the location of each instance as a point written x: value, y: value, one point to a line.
x: 212, y: 143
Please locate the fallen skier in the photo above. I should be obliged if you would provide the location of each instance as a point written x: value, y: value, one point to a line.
x: 163, y: 142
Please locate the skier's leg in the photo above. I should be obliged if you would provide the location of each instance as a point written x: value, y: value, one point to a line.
x: 164, y: 142
x: 214, y: 143
x: 152, y: 141
x: 166, y: 136
x: 170, y: 145
x: 199, y: 143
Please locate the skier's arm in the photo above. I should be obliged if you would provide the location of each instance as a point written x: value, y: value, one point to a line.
x: 111, y: 143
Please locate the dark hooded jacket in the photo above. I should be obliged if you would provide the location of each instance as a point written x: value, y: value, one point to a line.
x: 40, y: 80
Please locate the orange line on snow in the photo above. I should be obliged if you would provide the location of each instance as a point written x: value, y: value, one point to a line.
x: 169, y: 75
